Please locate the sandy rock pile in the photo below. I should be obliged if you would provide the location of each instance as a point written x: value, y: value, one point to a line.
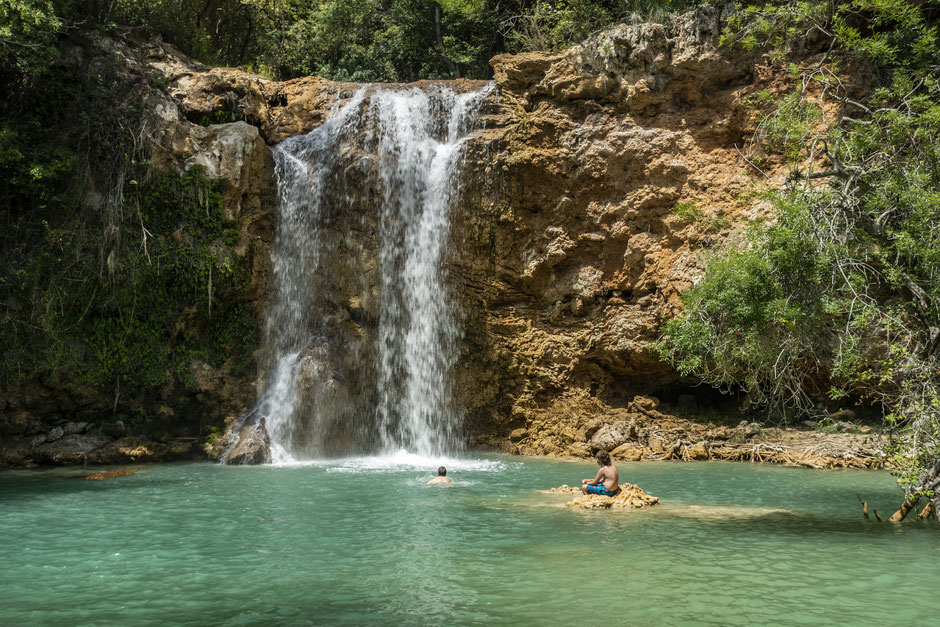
x: 631, y: 496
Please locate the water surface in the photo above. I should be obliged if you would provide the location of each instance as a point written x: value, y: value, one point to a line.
x: 365, y: 541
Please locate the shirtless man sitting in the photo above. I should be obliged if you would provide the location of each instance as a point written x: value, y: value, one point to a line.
x: 441, y: 476
x: 607, y: 481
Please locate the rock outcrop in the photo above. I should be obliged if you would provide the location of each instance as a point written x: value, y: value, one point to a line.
x: 37, y: 444
x: 630, y: 496
x: 575, y: 252
x: 251, y: 445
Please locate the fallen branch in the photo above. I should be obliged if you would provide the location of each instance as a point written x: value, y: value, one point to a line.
x: 864, y: 506
x: 927, y: 512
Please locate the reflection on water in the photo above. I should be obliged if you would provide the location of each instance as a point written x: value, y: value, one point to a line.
x: 363, y: 540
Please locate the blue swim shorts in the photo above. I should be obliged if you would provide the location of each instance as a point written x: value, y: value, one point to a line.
x: 601, y: 489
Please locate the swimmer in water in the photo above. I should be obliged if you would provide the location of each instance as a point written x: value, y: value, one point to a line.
x: 441, y: 477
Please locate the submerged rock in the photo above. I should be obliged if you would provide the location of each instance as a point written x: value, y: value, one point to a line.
x: 562, y: 489
x: 253, y: 446
x: 101, y: 476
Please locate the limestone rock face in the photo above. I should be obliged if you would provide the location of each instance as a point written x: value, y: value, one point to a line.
x: 566, y: 252
x: 70, y: 449
x: 609, y: 437
x: 91, y: 446
x: 628, y: 452
x: 572, y: 254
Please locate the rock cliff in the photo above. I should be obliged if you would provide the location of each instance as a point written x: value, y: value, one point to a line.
x: 575, y: 239
x: 602, y: 177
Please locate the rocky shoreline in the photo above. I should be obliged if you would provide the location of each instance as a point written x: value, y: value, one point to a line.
x: 647, y: 431
x: 84, y: 443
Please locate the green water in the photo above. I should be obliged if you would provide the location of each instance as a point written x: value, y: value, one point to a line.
x: 368, y: 543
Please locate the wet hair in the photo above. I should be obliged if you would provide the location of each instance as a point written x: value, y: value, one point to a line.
x: 441, y: 472
x: 603, y: 458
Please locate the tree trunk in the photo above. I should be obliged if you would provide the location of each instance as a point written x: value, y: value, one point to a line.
x: 440, y: 41
x: 926, y: 512
x: 864, y: 507
x: 904, y: 510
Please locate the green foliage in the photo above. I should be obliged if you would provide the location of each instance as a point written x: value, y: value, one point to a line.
x: 788, y: 126
x: 887, y: 32
x: 377, y: 40
x: 220, y: 117
x: 146, y: 316
x: 556, y: 24
x: 28, y: 32
x: 688, y: 212
x: 758, y: 310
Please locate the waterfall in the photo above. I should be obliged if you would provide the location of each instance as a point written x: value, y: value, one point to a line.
x: 360, y: 336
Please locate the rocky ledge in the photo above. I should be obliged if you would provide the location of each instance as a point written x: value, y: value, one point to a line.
x: 649, y: 431
x: 38, y: 444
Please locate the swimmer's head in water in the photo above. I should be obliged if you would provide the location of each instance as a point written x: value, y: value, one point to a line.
x: 441, y: 472
x: 603, y: 458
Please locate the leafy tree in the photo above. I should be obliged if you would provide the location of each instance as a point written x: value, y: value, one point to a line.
x: 28, y: 33
x: 840, y: 295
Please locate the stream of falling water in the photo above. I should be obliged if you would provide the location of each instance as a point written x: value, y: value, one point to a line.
x: 396, y: 153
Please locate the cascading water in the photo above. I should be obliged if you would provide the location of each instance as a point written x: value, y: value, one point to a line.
x: 378, y: 379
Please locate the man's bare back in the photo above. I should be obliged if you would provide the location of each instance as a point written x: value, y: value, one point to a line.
x: 607, y: 477
x: 441, y: 477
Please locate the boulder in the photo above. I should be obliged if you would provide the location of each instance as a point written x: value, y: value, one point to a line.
x: 747, y: 430
x: 628, y: 452
x: 578, y: 449
x: 517, y: 434
x: 54, y: 434
x: 699, y: 450
x: 115, y: 429
x: 253, y: 446
x: 658, y: 443
x: 76, y: 427
x: 648, y: 403
x: 630, y: 497
x: 129, y: 448
x: 70, y: 449
x: 613, y: 435
x: 842, y: 414
x: 16, y: 452
x: 720, y: 433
